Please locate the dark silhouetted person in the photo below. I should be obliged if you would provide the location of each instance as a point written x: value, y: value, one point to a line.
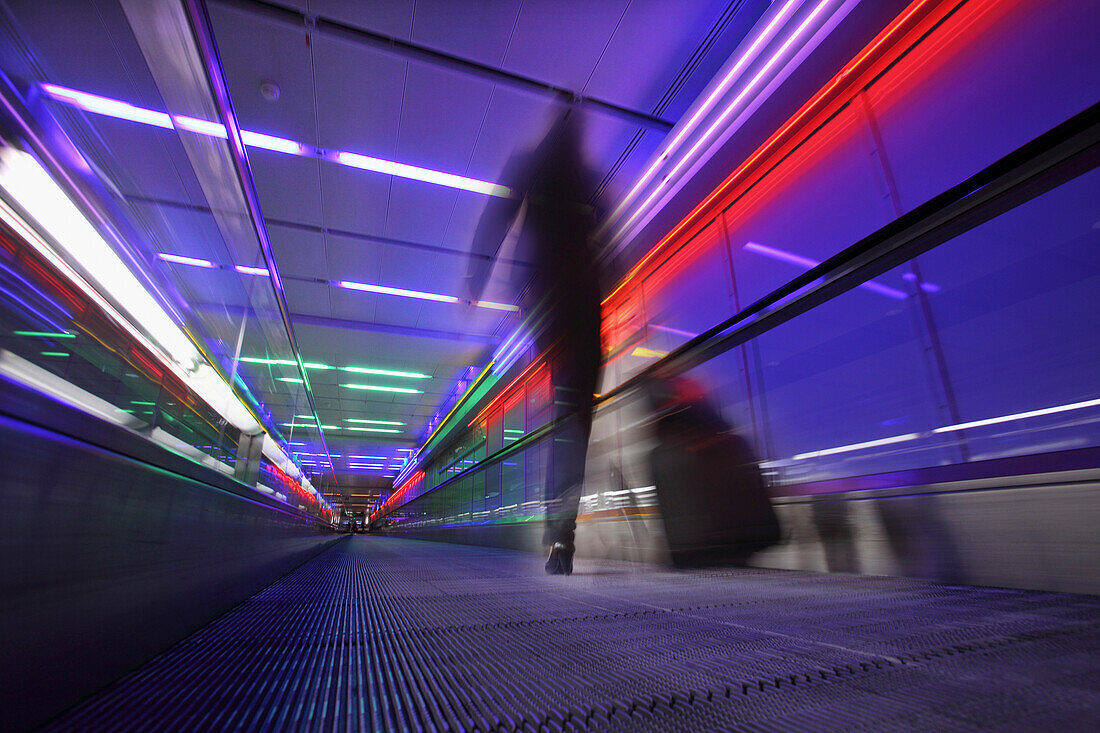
x: 561, y: 302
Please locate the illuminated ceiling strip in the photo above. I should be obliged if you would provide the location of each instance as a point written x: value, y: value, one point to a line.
x: 367, y: 287
x: 125, y: 111
x: 373, y: 430
x: 109, y: 107
x: 180, y: 260
x: 350, y: 285
x: 497, y: 306
x: 373, y: 422
x: 258, y: 360
x: 389, y: 167
x: 379, y: 388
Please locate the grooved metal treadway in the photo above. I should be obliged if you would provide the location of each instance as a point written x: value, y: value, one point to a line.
x: 391, y: 634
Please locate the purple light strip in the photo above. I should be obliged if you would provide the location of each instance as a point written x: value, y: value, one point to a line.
x: 708, y: 103
x: 126, y: 111
x: 806, y: 262
x: 718, y: 123
x: 180, y: 260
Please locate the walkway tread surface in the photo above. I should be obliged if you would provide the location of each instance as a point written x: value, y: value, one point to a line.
x: 392, y: 634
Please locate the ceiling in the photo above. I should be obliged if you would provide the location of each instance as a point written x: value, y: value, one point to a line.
x: 456, y: 87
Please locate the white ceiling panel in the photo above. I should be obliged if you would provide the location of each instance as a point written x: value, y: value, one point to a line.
x: 359, y: 97
x: 560, y: 41
x: 441, y: 117
x: 88, y: 46
x: 268, y: 51
x: 140, y: 160
x: 355, y: 200
x: 418, y: 211
x: 354, y: 259
x: 309, y: 298
x: 478, y: 30
x: 355, y: 305
x: 634, y: 70
x: 288, y: 186
x: 299, y: 253
x: 516, y: 121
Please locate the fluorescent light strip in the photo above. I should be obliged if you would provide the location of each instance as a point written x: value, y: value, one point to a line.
x: 689, y: 127
x: 378, y: 388
x: 497, y: 306
x: 374, y: 430
x: 1019, y: 416
x: 367, y: 287
x: 389, y: 167
x: 273, y: 362
x: 261, y: 271
x: 386, y: 372
x: 309, y: 425
x: 108, y: 107
x: 180, y: 260
x: 125, y: 111
x: 202, y: 127
x: 292, y: 380
x: 373, y: 422
x: 271, y: 142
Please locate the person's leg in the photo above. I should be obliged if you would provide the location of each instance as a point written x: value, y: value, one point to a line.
x: 574, y: 374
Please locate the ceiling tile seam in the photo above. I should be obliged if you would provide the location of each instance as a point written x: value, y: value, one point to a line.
x: 320, y: 177
x: 606, y: 45
x: 396, y: 150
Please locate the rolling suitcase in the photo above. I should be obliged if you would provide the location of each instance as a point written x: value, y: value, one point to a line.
x: 713, y: 498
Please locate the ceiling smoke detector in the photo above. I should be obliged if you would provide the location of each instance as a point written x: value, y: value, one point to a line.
x: 269, y: 90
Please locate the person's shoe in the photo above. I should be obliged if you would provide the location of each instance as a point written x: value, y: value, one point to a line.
x: 560, y: 561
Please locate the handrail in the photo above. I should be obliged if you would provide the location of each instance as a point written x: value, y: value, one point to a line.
x: 1055, y: 157
x: 1060, y: 154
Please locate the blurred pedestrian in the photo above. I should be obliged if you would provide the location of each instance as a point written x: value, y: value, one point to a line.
x: 552, y: 214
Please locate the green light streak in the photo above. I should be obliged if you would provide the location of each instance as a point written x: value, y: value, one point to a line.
x: 46, y: 334
x: 386, y: 372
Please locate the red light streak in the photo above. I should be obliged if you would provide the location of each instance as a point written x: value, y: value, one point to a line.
x: 905, y: 30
